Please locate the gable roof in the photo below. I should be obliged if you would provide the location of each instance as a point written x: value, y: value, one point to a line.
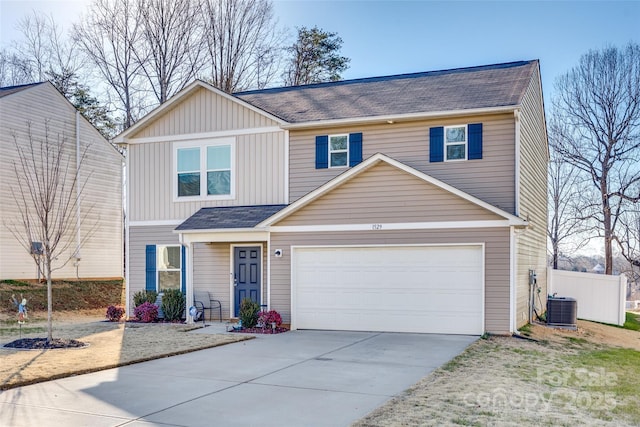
x: 176, y: 99
x: 489, y: 86
x: 229, y: 217
x: 366, y: 165
x: 8, y: 90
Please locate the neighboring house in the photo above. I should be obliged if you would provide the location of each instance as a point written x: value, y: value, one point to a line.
x: 412, y: 203
x: 40, y: 110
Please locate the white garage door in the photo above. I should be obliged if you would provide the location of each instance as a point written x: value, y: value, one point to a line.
x: 429, y: 289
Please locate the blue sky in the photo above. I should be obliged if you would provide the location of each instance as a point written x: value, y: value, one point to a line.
x: 393, y: 37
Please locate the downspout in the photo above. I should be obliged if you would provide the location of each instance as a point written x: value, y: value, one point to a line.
x: 512, y: 280
x: 516, y: 115
x: 78, y: 194
x: 127, y: 246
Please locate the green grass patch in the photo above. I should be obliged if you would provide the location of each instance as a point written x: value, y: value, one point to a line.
x: 15, y: 330
x: 611, y: 374
x: 632, y: 321
x: 525, y: 330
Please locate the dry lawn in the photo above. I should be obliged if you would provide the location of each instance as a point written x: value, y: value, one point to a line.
x: 110, y: 345
x: 564, y: 379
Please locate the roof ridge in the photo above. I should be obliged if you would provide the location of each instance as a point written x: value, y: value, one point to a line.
x: 390, y: 77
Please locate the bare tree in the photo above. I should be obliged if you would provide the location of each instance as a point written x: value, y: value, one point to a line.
x: 49, y: 53
x: 598, y: 101
x: 14, y: 69
x: 243, y: 43
x: 171, y: 54
x: 315, y: 58
x: 108, y: 35
x: 47, y: 196
x: 567, y: 223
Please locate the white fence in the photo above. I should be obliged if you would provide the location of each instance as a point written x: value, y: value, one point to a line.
x: 600, y: 298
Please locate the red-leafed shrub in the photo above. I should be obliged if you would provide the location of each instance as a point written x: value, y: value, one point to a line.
x: 266, y: 318
x: 146, y: 312
x: 114, y: 314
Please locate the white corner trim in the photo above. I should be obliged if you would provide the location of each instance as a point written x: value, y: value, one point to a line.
x: 512, y: 281
x: 436, y: 225
x: 205, y: 135
x: 516, y: 115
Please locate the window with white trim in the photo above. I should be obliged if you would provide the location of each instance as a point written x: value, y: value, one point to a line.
x: 169, y: 266
x: 338, y: 151
x: 455, y: 143
x: 204, y: 170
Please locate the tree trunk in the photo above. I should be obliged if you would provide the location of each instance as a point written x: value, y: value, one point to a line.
x: 49, y: 303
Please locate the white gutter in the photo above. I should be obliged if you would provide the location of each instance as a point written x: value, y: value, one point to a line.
x: 516, y: 115
x: 400, y: 117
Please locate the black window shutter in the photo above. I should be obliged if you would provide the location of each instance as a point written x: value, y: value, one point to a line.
x: 436, y: 144
x: 475, y: 141
x: 355, y: 148
x: 150, y: 282
x: 322, y: 152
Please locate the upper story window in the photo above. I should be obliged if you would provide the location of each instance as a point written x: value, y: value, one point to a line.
x: 203, y: 170
x: 455, y: 143
x: 338, y: 151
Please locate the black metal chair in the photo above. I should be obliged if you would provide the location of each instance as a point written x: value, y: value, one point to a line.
x: 202, y: 300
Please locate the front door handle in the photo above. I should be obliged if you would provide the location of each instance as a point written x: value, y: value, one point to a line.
x: 235, y: 280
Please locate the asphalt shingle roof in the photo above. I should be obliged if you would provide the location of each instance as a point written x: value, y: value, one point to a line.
x: 229, y: 217
x: 458, y: 89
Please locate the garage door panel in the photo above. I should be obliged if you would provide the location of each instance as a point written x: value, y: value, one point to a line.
x: 406, y: 289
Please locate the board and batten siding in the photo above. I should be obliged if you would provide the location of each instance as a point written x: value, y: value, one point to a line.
x: 490, y: 179
x: 101, y: 201
x: 204, y: 111
x: 385, y: 194
x: 532, y: 243
x: 496, y: 241
x: 259, y: 175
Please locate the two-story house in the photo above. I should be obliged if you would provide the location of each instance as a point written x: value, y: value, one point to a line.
x: 91, y: 245
x: 412, y: 203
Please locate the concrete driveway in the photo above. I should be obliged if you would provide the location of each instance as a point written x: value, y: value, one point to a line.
x: 310, y: 378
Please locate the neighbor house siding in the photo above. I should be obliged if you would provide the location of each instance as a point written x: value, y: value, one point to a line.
x: 384, y: 194
x: 50, y: 114
x: 204, y: 111
x: 496, y: 242
x: 490, y: 179
x: 259, y: 174
x: 531, y: 243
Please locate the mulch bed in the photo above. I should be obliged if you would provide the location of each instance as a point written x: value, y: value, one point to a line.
x: 41, y: 344
x: 266, y: 331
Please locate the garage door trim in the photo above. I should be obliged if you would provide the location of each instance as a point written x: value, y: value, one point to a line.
x: 295, y: 248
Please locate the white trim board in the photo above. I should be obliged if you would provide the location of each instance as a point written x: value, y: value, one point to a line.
x: 391, y: 226
x: 205, y: 135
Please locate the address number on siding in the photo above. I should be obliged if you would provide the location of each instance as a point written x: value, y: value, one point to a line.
x: 376, y: 226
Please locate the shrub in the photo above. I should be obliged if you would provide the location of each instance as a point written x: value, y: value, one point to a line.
x: 249, y: 312
x: 173, y: 302
x: 269, y: 317
x: 141, y: 297
x: 146, y: 312
x: 114, y: 314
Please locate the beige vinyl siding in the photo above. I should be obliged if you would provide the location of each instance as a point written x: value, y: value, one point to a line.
x: 385, y: 194
x: 101, y: 202
x: 259, y: 173
x: 490, y: 179
x: 139, y: 238
x: 204, y: 111
x: 531, y: 244
x: 212, y: 268
x: 496, y: 242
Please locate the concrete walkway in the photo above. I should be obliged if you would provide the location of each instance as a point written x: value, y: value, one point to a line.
x: 310, y: 378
